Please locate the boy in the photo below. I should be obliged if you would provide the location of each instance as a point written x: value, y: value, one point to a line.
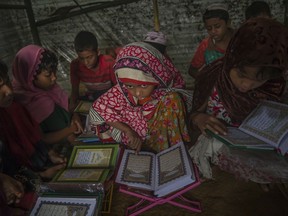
x: 92, y: 69
x: 217, y: 23
x: 258, y: 9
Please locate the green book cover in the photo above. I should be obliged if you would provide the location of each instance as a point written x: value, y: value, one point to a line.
x: 90, y: 163
x: 83, y: 107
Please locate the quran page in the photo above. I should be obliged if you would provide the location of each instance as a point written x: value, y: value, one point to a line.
x: 238, y: 138
x: 90, y: 163
x: 162, y: 173
x: 101, y: 156
x: 137, y: 170
x: 268, y: 122
x: 57, y: 206
x: 174, y: 170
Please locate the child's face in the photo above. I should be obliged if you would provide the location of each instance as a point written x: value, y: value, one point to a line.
x: 45, y: 80
x: 244, y: 82
x: 6, y: 94
x: 89, y: 58
x: 139, y: 91
x: 217, y: 28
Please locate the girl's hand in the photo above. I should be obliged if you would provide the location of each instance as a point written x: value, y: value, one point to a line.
x: 76, y: 127
x: 79, y: 127
x: 76, y: 119
x: 134, y: 140
x: 205, y: 121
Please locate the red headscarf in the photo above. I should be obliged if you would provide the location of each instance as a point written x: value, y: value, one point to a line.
x: 39, y: 103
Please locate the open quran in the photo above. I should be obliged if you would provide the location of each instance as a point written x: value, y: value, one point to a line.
x: 162, y: 173
x: 266, y: 127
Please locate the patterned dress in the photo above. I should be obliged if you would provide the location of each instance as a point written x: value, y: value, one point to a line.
x: 160, y: 121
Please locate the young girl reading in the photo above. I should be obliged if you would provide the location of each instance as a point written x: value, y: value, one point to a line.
x: 22, y: 135
x: 35, y: 87
x: 227, y: 91
x: 143, y: 110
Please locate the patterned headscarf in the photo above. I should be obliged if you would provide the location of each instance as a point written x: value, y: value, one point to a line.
x: 141, y: 63
x: 155, y: 37
x: 40, y: 103
x: 259, y: 42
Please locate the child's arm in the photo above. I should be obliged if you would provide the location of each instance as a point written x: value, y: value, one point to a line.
x: 134, y: 140
x: 57, y: 136
x: 205, y: 121
x: 198, y: 60
x: 193, y: 71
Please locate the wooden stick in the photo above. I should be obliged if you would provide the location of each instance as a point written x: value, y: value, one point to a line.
x: 156, y: 16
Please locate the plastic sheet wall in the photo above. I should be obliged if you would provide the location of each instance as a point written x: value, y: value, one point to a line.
x: 181, y: 21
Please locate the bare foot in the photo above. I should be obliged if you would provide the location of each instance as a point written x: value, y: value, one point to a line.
x: 56, y: 158
x: 50, y: 172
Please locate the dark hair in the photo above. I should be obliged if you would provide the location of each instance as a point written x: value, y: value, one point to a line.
x: 257, y: 8
x: 4, y: 77
x: 217, y: 13
x: 48, y: 62
x: 160, y: 47
x: 85, y: 40
x: 267, y: 73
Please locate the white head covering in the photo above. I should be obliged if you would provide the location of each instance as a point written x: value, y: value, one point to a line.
x: 217, y: 6
x: 155, y: 37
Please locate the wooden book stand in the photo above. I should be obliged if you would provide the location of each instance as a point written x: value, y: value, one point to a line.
x: 147, y: 201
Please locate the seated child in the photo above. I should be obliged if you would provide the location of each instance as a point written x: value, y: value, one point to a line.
x: 22, y: 136
x: 93, y: 70
x: 34, y: 83
x: 144, y: 110
x: 252, y: 70
x: 217, y: 24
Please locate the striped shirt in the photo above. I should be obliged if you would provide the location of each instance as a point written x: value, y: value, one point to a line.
x: 94, y: 80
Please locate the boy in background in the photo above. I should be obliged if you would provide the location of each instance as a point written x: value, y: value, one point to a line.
x: 217, y: 23
x: 258, y: 9
x: 92, y: 69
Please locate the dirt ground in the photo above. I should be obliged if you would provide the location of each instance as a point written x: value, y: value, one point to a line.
x: 224, y: 196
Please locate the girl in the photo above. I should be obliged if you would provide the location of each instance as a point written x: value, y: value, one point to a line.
x: 22, y: 135
x: 143, y: 109
x: 228, y: 90
x: 217, y: 23
x: 35, y: 87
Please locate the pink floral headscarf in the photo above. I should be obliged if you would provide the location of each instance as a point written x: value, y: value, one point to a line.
x: 39, y: 103
x: 141, y: 62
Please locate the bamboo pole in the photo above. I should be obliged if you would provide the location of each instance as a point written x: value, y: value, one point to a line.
x: 156, y: 16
